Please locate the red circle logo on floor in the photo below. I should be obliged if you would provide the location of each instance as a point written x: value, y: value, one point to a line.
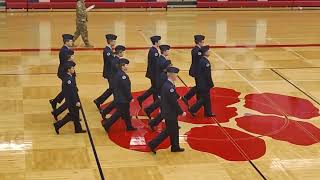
x: 234, y: 134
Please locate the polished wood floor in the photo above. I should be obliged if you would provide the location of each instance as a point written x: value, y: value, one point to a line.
x: 30, y: 149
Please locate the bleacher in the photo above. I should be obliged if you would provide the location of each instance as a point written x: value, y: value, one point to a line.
x: 70, y: 4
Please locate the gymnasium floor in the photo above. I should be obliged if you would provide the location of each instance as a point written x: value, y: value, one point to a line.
x: 265, y: 68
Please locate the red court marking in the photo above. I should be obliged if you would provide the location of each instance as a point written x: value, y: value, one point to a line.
x: 211, y: 139
x: 172, y: 47
x: 282, y: 129
x: 292, y: 106
x: 135, y: 140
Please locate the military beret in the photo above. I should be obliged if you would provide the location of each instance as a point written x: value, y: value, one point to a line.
x: 67, y: 65
x: 164, y: 47
x: 199, y: 37
x: 67, y: 36
x: 123, y: 61
x: 111, y: 37
x: 173, y: 70
x: 155, y: 39
x: 204, y: 49
x: 120, y: 48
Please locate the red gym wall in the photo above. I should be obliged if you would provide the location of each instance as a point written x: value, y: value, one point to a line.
x: 69, y: 4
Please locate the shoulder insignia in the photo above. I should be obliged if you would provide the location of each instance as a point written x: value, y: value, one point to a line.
x: 172, y: 90
x: 199, y: 53
x: 108, y: 54
x: 156, y: 54
x: 207, y: 64
x: 69, y: 82
x: 124, y: 77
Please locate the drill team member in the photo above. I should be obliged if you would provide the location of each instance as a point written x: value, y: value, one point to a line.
x: 56, y: 112
x: 150, y: 74
x: 159, y: 67
x: 118, y: 55
x: 163, y: 78
x: 64, y: 55
x: 70, y: 92
x: 107, y: 65
x: 204, y: 84
x: 170, y: 110
x: 122, y: 97
x: 196, y: 55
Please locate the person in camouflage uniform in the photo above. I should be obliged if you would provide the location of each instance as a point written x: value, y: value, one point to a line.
x: 81, y: 22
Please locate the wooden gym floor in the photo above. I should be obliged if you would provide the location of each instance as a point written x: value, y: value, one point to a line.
x: 279, y: 54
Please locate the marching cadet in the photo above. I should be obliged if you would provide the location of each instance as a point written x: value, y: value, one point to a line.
x: 56, y: 112
x: 159, y: 66
x: 122, y: 97
x: 118, y: 55
x: 81, y: 22
x: 163, y: 78
x: 170, y: 110
x: 70, y: 92
x: 196, y: 55
x: 64, y: 54
x: 150, y: 74
x: 107, y: 65
x: 204, y: 84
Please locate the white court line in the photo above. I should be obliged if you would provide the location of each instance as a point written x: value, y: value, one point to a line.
x: 236, y: 71
x: 289, y: 49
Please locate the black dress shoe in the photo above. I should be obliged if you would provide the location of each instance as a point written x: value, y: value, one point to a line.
x: 151, y: 127
x: 54, y: 115
x: 177, y: 150
x: 210, y: 115
x: 147, y: 113
x: 53, y: 104
x: 153, y: 150
x: 97, y: 104
x: 102, y: 114
x: 192, y: 113
x: 81, y: 131
x: 140, y: 102
x: 185, y: 101
x: 55, y: 128
x: 131, y: 129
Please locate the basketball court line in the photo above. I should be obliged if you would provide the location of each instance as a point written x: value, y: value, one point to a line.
x: 172, y: 47
x: 92, y: 142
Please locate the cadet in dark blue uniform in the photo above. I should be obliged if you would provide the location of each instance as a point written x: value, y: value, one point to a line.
x: 152, y: 59
x: 122, y: 97
x: 107, y: 74
x: 170, y: 111
x: 119, y: 53
x: 163, y: 78
x: 56, y: 112
x: 70, y: 92
x: 204, y: 84
x: 63, y: 58
x: 196, y: 55
x: 159, y: 66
